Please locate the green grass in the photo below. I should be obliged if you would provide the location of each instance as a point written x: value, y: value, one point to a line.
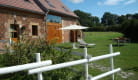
x: 128, y: 60
x: 129, y: 52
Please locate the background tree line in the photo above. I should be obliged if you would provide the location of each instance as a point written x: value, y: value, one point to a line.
x: 126, y: 24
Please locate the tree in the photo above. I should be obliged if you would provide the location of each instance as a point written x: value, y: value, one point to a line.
x: 121, y: 19
x: 109, y: 19
x: 96, y: 21
x: 129, y: 16
x: 86, y: 19
x: 135, y: 16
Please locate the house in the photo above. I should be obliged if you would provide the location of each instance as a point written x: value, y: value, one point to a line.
x: 36, y: 18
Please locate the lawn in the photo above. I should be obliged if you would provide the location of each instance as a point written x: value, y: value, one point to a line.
x: 127, y: 60
x: 129, y: 52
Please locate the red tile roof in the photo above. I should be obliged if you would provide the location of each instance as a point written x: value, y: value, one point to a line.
x: 21, y: 4
x: 32, y: 5
x: 58, y: 7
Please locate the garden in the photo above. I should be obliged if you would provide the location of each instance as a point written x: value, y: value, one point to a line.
x: 24, y: 53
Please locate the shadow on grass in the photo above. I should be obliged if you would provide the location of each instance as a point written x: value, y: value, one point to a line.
x: 65, y: 47
x: 87, y: 47
x: 132, y: 69
x: 118, y: 45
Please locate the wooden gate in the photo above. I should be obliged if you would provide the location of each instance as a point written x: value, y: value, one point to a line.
x: 53, y: 32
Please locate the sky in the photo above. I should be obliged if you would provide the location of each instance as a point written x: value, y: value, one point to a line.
x: 99, y: 7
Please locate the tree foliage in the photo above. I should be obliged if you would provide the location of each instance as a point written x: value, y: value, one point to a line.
x: 126, y: 24
x: 109, y: 19
x: 86, y: 19
x: 130, y: 29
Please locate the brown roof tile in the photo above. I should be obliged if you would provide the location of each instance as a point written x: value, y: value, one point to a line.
x: 26, y: 5
x: 32, y: 5
x: 58, y: 6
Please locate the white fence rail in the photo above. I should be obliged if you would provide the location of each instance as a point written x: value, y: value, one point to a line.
x: 106, y: 74
x: 43, y: 66
x: 71, y: 63
x: 18, y: 68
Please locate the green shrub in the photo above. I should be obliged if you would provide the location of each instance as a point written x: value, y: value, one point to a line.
x: 116, y: 28
x: 23, y: 52
x: 98, y: 28
x: 130, y: 29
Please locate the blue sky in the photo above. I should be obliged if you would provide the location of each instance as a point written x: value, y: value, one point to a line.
x: 98, y: 7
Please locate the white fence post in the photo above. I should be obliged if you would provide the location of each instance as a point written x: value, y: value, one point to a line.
x: 10, y: 42
x: 38, y: 59
x: 112, y: 60
x: 86, y: 64
x: 74, y: 45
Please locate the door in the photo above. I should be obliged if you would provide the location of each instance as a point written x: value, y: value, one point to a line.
x: 53, y: 33
x: 73, y: 35
x: 14, y: 32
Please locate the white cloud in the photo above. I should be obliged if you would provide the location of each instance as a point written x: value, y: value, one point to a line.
x: 99, y: 3
x: 129, y: 2
x: 116, y: 2
x: 110, y: 2
x: 76, y: 1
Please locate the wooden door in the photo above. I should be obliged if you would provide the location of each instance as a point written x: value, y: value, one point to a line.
x: 73, y: 35
x: 53, y: 33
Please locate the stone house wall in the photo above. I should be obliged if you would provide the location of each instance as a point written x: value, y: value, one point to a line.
x: 24, y: 19
x: 66, y: 33
x: 27, y: 19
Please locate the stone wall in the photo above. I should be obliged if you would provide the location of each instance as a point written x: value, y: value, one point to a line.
x: 23, y: 19
x: 27, y: 19
x: 66, y: 33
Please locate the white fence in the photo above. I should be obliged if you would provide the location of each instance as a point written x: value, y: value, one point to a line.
x: 43, y: 66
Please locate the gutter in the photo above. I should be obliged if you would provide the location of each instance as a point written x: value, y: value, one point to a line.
x: 45, y: 19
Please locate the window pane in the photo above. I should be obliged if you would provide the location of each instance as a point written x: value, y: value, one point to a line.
x: 14, y: 29
x: 54, y: 19
x: 14, y: 34
x: 34, y: 30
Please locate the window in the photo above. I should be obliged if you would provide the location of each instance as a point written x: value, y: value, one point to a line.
x: 53, y: 19
x: 50, y: 4
x: 14, y: 29
x: 34, y: 30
